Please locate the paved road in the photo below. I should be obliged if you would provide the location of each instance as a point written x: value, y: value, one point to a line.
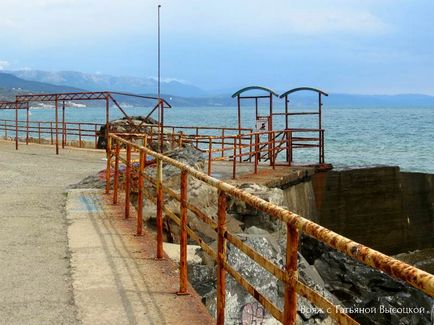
x: 35, y: 276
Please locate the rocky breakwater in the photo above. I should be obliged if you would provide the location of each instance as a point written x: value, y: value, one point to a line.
x: 133, y: 124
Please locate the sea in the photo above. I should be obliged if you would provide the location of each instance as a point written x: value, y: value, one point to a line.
x: 353, y: 136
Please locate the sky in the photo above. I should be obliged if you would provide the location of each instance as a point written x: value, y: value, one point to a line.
x: 344, y: 46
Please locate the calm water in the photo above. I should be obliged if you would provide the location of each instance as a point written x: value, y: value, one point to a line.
x: 392, y: 136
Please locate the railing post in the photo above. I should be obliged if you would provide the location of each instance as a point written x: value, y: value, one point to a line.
x: 39, y: 132
x: 159, y: 208
x: 223, y: 143
x: 96, y: 136
x: 128, y: 182
x: 66, y: 133
x: 209, y: 155
x: 291, y: 153
x: 16, y: 126
x: 181, y: 134
x: 51, y: 133
x: 6, y: 130
x: 183, y: 242
x: 322, y: 154
x: 240, y: 148
x: 273, y: 149
x: 270, y: 149
x: 27, y: 124
x: 221, y: 259
x: 257, y: 153
x: 140, y: 194
x: 287, y: 146
x: 57, y: 125
x: 63, y: 124
x: 290, y: 305
x: 79, y: 135
x: 234, y: 162
x: 108, y: 166
x: 116, y: 174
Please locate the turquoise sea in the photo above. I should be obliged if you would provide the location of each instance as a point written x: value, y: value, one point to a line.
x: 354, y: 136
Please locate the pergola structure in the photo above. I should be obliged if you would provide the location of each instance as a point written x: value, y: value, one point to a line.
x: 264, y: 123
x: 299, y: 142
x: 23, y: 101
x: 320, y: 104
x: 269, y: 95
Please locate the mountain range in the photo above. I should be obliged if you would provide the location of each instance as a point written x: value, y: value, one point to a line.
x: 99, y: 82
x: 177, y: 92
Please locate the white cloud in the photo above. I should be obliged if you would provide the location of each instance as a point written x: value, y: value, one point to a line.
x: 4, y: 64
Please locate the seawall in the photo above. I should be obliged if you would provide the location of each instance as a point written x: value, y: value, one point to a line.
x: 381, y: 207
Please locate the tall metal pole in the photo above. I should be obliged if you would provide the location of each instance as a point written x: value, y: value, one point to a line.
x: 159, y: 76
x: 161, y: 107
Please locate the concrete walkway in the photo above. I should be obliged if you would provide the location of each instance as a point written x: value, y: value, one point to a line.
x: 37, y: 284
x: 116, y: 278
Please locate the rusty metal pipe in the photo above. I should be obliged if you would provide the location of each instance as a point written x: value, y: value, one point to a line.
x: 140, y: 194
x: 221, y: 259
x: 159, y: 208
x: 128, y: 182
x: 116, y: 173
x: 290, y: 303
x: 183, y: 242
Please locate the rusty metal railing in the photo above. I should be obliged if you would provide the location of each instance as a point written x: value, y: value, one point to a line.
x: 271, y: 147
x: 77, y: 133
x: 295, y: 225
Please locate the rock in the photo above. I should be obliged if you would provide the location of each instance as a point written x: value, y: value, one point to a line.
x: 251, y: 216
x: 90, y: 182
x: 239, y: 303
x: 358, y: 286
x: 138, y: 124
x: 173, y: 251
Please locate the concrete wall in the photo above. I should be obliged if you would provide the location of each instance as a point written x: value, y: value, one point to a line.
x: 300, y: 198
x: 379, y: 207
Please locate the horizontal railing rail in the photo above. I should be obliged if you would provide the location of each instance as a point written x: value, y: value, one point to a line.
x: 156, y: 190
x: 46, y: 130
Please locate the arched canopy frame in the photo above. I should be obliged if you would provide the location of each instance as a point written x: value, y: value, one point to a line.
x: 318, y: 113
x: 269, y: 95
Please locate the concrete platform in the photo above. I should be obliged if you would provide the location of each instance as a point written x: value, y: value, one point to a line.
x: 267, y: 176
x: 116, y: 279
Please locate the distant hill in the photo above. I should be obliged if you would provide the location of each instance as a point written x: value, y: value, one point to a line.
x: 304, y: 100
x: 371, y: 101
x: 179, y: 94
x: 11, y: 85
x: 100, y: 82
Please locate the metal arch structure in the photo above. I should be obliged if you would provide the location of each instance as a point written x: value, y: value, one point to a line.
x: 242, y: 90
x: 320, y: 104
x: 270, y: 94
x: 287, y: 113
x: 107, y: 96
x: 319, y: 91
x: 17, y: 106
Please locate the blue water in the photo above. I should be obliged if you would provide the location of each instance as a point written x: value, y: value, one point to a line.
x: 364, y: 136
